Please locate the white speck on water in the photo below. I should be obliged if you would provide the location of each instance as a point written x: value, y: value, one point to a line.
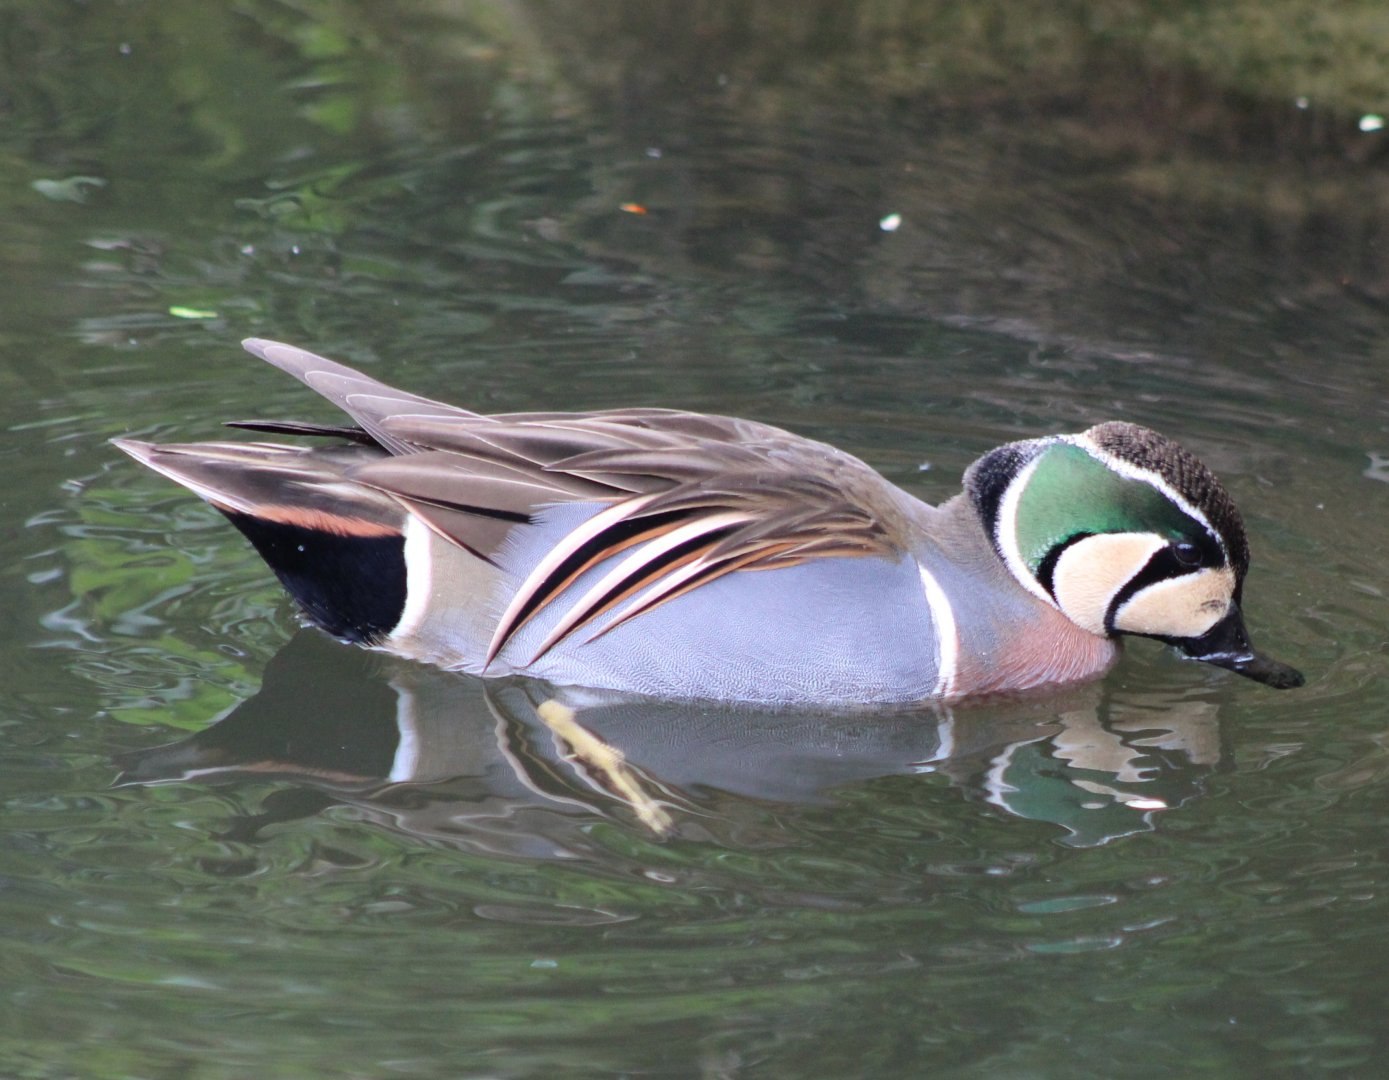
x: 890, y: 223
x: 1371, y: 122
x: 1302, y: 103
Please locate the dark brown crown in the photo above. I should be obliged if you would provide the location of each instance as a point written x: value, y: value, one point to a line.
x: 1185, y: 474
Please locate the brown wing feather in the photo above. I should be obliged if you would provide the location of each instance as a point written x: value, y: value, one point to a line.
x: 692, y: 497
x: 732, y: 506
x: 363, y: 398
x: 774, y: 502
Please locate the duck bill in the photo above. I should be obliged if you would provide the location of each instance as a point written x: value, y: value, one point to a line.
x: 1226, y: 645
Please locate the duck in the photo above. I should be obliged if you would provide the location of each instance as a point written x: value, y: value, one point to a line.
x: 680, y: 555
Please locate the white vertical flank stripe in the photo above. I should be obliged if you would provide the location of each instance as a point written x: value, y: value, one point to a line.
x: 947, y: 635
x: 419, y: 576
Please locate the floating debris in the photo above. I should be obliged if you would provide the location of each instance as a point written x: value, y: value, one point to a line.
x: 73, y: 189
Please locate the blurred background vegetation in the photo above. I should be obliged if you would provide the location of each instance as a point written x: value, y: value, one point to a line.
x: 1143, y: 122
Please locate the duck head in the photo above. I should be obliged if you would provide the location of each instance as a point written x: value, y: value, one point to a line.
x: 1125, y: 532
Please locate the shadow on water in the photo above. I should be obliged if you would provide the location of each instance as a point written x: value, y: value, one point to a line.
x: 521, y: 768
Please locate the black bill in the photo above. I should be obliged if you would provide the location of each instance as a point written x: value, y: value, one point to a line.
x: 1226, y: 645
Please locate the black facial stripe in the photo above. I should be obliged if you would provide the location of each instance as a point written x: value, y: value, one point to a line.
x: 1207, y: 546
x: 1046, y: 572
x: 1163, y: 566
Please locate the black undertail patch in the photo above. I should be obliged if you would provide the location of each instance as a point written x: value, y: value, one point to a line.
x: 352, y: 586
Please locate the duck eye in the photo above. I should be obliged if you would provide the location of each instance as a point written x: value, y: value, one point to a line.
x: 1187, y: 554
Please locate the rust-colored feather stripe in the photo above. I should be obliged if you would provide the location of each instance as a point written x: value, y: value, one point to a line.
x: 323, y: 521
x: 687, y: 536
x: 655, y: 556
x: 275, y: 483
x: 684, y: 576
x: 542, y: 581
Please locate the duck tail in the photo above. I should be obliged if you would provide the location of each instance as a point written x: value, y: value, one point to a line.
x: 337, y: 546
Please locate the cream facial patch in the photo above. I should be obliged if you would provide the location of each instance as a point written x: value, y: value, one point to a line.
x: 1090, y: 573
x: 1183, y: 607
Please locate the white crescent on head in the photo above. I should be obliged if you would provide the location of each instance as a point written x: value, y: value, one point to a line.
x: 1006, y: 532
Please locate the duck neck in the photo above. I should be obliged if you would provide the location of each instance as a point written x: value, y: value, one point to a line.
x: 1006, y: 638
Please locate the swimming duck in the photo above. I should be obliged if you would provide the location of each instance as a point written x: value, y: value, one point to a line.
x: 681, y: 555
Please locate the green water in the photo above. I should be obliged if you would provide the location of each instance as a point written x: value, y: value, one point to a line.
x: 230, y: 847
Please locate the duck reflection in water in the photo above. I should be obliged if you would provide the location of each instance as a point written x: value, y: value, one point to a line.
x: 520, y: 767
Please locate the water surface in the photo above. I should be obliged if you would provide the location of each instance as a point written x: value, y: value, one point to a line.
x: 230, y: 845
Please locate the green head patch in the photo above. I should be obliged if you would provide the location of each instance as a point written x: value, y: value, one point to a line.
x: 1124, y: 532
x: 1071, y: 494
x: 1038, y: 497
